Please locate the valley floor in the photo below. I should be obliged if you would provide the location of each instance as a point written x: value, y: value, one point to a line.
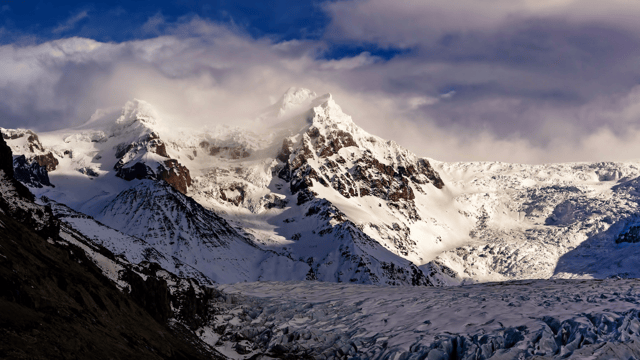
x: 595, y: 319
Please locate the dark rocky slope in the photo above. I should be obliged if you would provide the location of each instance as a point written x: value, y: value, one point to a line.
x: 56, y: 303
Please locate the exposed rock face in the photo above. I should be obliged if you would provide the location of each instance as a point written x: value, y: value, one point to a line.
x: 335, y: 141
x: 631, y: 236
x: 175, y: 175
x: 274, y: 202
x: 233, y: 193
x: 335, y: 154
x: 48, y: 161
x: 6, y: 159
x: 231, y: 152
x: 149, y: 142
x: 152, y: 294
x: 170, y: 171
x: 136, y: 171
x: 32, y: 138
x: 17, y: 201
x: 34, y: 162
x: 132, y: 165
x: 30, y: 173
x: 89, y: 171
x: 285, y: 151
x: 194, y: 306
x: 363, y: 174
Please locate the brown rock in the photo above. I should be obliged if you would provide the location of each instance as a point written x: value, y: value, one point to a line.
x: 337, y: 140
x: 403, y: 193
x: 313, y: 132
x: 303, y: 179
x: 48, y: 161
x: 238, y: 152
x: 176, y: 175
x: 425, y: 168
x: 159, y: 147
x: 214, y: 150
x: 233, y: 187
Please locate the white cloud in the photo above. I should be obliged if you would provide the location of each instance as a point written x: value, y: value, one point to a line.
x: 411, y: 22
x: 448, y: 95
x: 71, y: 22
x: 203, y: 73
x: 351, y: 63
x: 153, y: 24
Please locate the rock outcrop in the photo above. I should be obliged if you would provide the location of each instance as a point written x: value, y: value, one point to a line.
x: 134, y: 163
x: 16, y: 200
x: 34, y: 162
x: 631, y: 236
x: 30, y: 172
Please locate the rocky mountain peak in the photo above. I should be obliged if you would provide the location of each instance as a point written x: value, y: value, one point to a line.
x: 136, y: 119
x: 326, y: 113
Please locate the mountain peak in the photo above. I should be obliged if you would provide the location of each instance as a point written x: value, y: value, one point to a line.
x: 137, y: 110
x: 294, y: 97
x: 326, y: 111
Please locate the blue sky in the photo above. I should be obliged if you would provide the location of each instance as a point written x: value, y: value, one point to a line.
x: 511, y: 80
x: 120, y: 20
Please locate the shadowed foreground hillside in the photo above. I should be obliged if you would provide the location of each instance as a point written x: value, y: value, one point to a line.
x: 56, y: 303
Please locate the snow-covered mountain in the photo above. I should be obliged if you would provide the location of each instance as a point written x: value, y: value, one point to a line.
x: 307, y: 194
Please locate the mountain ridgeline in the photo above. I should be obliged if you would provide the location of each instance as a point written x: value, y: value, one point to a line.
x: 142, y: 240
x: 313, y: 196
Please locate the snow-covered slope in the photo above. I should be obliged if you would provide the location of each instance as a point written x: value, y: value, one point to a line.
x: 307, y: 194
x: 174, y: 224
x: 540, y: 221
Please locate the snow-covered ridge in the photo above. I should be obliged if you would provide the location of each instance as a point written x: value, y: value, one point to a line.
x: 293, y: 99
x: 319, y: 190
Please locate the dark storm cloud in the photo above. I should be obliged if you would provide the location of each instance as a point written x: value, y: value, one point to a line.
x: 543, y: 72
x: 511, y: 80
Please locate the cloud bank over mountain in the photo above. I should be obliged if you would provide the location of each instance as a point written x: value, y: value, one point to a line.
x: 511, y: 81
